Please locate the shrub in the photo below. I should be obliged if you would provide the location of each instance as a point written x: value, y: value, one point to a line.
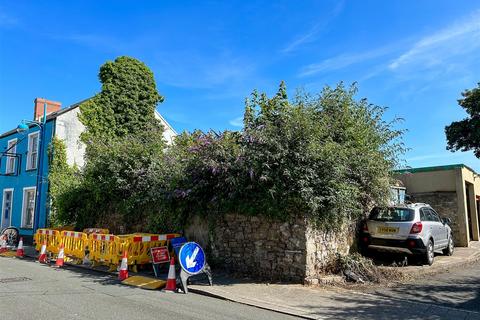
x: 327, y: 157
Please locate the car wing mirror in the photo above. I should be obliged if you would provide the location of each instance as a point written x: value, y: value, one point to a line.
x: 446, y: 220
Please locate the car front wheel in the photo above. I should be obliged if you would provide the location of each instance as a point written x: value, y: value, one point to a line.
x: 448, y: 251
x: 429, y: 253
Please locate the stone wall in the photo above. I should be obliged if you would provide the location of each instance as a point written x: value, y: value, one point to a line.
x: 445, y: 204
x: 321, y: 246
x: 268, y: 249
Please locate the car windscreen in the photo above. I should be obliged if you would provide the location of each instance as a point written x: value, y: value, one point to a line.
x: 392, y: 214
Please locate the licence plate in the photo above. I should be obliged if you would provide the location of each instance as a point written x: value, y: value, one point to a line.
x: 387, y: 230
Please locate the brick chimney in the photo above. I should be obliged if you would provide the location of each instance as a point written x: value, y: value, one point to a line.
x: 52, y: 106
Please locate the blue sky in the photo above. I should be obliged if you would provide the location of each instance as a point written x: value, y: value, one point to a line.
x: 414, y: 57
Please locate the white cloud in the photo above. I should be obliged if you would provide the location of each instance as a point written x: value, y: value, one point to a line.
x: 311, y: 34
x: 190, y: 70
x: 307, y: 37
x: 237, y: 122
x: 343, y: 61
x: 457, y: 39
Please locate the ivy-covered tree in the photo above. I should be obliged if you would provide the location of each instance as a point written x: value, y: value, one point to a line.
x: 464, y: 135
x: 126, y: 102
x: 124, y: 151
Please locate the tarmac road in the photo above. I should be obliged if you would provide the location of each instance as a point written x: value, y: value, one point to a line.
x: 458, y: 287
x: 30, y: 291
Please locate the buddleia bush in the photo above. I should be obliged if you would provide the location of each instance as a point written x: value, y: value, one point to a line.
x: 327, y: 157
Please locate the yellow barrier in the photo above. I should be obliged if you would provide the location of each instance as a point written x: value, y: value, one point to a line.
x: 105, y: 249
x: 139, y: 245
x: 52, y: 237
x: 75, y: 244
x: 95, y: 230
x: 64, y: 228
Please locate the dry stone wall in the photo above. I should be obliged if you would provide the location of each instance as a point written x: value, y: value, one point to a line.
x: 268, y: 249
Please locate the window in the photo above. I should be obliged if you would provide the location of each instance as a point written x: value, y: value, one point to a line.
x: 32, y: 157
x: 28, y: 210
x: 435, y: 216
x: 12, y: 148
x: 7, y: 207
x: 423, y: 214
x: 392, y: 214
x: 427, y: 214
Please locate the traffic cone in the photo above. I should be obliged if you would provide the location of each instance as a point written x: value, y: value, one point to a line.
x: 60, y: 257
x: 171, y: 279
x: 43, y: 253
x: 123, y: 273
x: 3, y: 247
x: 20, y: 252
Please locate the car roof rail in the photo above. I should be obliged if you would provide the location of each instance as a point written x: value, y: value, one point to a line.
x: 421, y: 204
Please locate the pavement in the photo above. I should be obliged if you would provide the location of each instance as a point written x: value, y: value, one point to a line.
x: 443, y: 292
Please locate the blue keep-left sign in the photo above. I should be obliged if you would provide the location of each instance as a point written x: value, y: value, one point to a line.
x: 191, y: 258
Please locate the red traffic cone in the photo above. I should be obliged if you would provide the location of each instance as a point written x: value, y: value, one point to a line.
x: 171, y: 279
x: 123, y: 273
x: 20, y: 252
x: 43, y: 253
x: 3, y: 247
x: 60, y: 257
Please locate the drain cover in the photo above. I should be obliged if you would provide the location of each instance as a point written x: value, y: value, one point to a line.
x: 16, y: 279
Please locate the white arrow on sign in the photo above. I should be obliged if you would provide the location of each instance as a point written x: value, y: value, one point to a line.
x: 190, y: 260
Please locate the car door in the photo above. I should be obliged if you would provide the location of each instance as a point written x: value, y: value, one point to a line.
x: 440, y: 230
x: 428, y: 225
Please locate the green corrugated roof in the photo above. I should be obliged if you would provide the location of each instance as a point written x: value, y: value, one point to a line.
x: 436, y: 168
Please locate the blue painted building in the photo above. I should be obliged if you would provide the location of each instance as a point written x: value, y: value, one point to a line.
x: 22, y: 205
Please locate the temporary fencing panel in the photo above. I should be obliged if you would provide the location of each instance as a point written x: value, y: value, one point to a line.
x: 75, y: 244
x: 139, y: 245
x: 95, y: 230
x: 105, y: 249
x: 52, y: 237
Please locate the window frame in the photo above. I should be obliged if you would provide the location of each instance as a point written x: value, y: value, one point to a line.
x: 9, y: 158
x: 12, y: 190
x: 24, y: 206
x: 436, y: 216
x: 29, y: 165
x: 426, y: 213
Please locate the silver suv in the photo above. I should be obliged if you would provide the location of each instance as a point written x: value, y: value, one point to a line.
x: 415, y: 229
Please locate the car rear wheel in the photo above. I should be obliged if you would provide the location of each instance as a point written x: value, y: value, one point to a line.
x: 429, y: 253
x: 448, y: 251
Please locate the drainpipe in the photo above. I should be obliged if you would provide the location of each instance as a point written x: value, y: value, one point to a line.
x: 38, y: 201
